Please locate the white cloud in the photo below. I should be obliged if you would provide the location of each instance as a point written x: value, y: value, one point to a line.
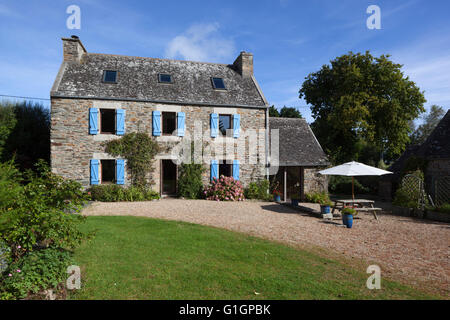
x: 201, y: 42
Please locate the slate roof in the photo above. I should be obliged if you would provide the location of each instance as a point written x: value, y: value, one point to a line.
x: 437, y: 145
x: 298, y: 145
x: 138, y: 80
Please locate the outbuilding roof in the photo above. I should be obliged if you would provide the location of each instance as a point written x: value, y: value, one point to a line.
x: 298, y: 145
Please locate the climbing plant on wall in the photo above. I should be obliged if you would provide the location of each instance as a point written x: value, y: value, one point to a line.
x: 139, y: 150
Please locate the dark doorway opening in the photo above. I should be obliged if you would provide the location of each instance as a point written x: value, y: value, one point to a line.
x: 107, y: 121
x: 169, y: 177
x: 108, y: 171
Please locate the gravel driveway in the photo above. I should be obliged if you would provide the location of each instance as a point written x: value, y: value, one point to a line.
x: 409, y: 250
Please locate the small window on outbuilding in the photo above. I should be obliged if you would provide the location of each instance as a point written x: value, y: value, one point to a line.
x: 218, y: 83
x: 169, y: 122
x: 107, y: 121
x: 110, y: 76
x: 165, y: 78
x: 108, y: 168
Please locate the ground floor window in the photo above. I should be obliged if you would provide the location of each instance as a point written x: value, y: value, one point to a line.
x: 225, y: 169
x: 108, y: 168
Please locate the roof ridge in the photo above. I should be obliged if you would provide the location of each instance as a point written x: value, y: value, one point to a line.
x: 160, y: 59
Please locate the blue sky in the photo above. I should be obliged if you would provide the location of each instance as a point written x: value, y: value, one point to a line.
x: 289, y: 39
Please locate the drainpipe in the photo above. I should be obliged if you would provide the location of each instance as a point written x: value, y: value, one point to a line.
x: 285, y: 184
x: 267, y: 143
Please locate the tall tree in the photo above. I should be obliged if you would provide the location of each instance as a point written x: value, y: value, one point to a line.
x: 290, y: 112
x: 361, y: 97
x: 430, y: 121
x: 29, y: 139
x: 273, y: 112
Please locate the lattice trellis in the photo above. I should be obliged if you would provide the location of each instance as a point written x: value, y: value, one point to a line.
x: 442, y: 190
x: 415, y: 187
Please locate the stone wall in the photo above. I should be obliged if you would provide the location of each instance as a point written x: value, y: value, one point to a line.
x: 314, y: 182
x: 72, y: 147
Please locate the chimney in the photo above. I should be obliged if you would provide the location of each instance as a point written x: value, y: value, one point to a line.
x: 73, y: 49
x: 244, y: 64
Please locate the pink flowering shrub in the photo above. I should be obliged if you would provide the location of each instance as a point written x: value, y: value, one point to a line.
x: 225, y: 189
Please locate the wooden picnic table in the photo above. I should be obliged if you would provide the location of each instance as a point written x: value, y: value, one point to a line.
x: 357, y: 204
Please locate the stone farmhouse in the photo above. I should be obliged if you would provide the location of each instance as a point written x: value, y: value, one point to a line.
x: 100, y: 97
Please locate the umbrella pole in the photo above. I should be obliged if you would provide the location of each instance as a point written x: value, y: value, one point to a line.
x: 353, y: 188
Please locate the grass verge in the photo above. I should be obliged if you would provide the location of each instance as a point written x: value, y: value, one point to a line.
x: 142, y: 258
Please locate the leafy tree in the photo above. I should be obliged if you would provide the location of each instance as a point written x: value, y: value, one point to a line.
x: 7, y: 124
x: 361, y: 97
x: 273, y: 112
x: 290, y: 112
x: 430, y: 121
x: 29, y: 139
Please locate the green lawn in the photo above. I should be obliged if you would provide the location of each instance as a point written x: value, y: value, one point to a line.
x: 141, y: 258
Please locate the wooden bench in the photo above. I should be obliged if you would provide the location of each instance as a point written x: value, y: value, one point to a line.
x: 373, y: 210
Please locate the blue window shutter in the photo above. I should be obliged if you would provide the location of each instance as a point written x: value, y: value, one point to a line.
x: 236, y: 169
x: 120, y: 171
x: 214, y: 169
x: 236, y: 125
x: 93, y: 120
x: 180, y: 124
x: 214, y: 124
x: 120, y: 122
x: 94, y: 171
x: 156, y: 123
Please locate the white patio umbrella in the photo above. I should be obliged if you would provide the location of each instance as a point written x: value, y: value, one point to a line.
x: 353, y: 169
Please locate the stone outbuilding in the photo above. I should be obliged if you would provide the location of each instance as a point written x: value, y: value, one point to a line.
x: 300, y: 158
x: 435, y: 153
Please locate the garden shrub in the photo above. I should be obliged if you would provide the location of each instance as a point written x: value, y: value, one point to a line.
x: 445, y: 208
x: 318, y: 197
x: 258, y: 190
x: 116, y: 193
x: 224, y: 189
x: 38, y: 222
x: 39, y: 212
x: 190, y: 184
x: 34, y: 272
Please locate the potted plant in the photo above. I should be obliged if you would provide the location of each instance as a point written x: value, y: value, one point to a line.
x: 277, y: 195
x: 325, y: 206
x: 347, y: 216
x: 295, y: 200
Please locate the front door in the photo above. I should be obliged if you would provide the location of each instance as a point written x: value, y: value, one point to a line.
x: 169, y: 177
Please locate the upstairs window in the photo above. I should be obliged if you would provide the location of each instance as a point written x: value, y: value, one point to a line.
x: 169, y: 122
x: 165, y: 78
x: 218, y: 83
x: 110, y: 76
x: 225, y: 123
x: 108, y: 121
